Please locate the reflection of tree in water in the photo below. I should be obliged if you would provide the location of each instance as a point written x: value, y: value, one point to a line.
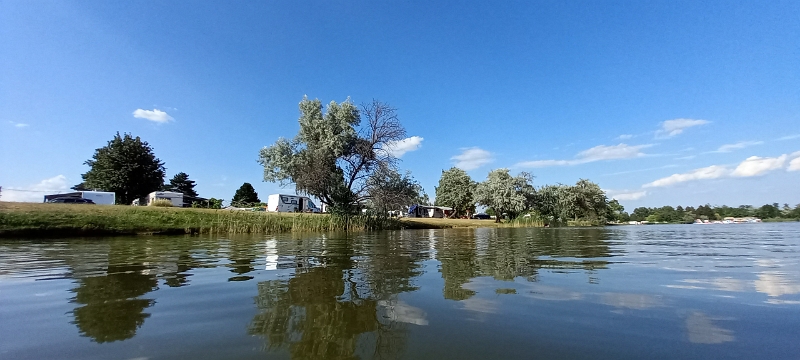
x: 458, y: 265
x: 506, y: 254
x: 242, y: 254
x: 111, y: 308
x: 338, y: 309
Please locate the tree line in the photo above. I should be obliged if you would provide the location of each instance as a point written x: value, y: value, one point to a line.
x: 689, y: 214
x: 128, y: 167
x: 507, y: 196
x: 343, y: 155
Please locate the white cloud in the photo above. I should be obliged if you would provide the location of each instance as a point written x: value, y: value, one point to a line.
x: 754, y: 166
x: 789, y: 137
x: 625, y: 196
x: 472, y: 158
x: 706, y: 173
x: 597, y: 153
x: 153, y: 115
x: 18, y: 125
x: 36, y: 192
x: 400, y: 147
x: 794, y: 165
x: 674, y: 127
x: 625, y: 137
x: 740, y: 145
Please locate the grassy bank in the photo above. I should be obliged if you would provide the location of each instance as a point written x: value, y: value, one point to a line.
x: 29, y: 220
x: 434, y: 223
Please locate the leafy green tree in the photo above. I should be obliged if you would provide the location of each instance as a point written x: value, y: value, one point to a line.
x: 590, y: 201
x: 768, y: 212
x: 80, y: 187
x: 506, y: 194
x: 556, y: 202
x: 246, y: 195
x: 456, y: 190
x: 333, y: 156
x: 389, y: 190
x: 181, y: 183
x: 616, y: 211
x: 127, y: 167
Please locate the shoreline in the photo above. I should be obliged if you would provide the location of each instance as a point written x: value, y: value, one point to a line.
x: 40, y: 220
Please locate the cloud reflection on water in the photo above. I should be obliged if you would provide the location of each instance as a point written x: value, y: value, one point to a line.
x: 701, y: 330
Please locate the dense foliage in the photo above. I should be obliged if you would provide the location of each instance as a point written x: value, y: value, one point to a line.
x: 246, y: 195
x: 582, y: 201
x: 127, y: 167
x: 456, y: 190
x: 334, y: 156
x: 390, y: 190
x: 181, y: 183
x: 507, y: 195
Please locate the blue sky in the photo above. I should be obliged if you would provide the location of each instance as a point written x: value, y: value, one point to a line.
x: 661, y: 103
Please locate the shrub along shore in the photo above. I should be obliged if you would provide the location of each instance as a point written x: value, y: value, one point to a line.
x: 66, y: 220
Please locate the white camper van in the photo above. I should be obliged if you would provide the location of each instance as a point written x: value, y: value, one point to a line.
x: 290, y: 203
x: 175, y: 198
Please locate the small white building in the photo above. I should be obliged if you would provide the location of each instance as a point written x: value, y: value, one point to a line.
x: 175, y: 198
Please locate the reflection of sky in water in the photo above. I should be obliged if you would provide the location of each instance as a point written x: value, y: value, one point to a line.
x: 620, y: 292
x: 701, y: 330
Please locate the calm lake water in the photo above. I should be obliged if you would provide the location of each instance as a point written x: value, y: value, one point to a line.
x: 633, y: 292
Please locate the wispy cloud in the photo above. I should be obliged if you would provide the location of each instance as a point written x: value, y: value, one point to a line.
x: 628, y: 196
x: 625, y: 137
x: 154, y: 115
x: 597, y: 153
x: 740, y: 145
x: 674, y: 127
x: 641, y: 170
x: 472, y: 158
x: 706, y: 173
x: 752, y: 166
x: 18, y: 125
x: 400, y: 147
x: 789, y: 137
x: 35, y: 192
x: 689, y: 157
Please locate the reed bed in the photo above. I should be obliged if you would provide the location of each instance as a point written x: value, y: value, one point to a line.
x: 25, y: 219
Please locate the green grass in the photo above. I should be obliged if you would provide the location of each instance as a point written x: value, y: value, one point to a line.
x: 436, y: 223
x: 26, y: 219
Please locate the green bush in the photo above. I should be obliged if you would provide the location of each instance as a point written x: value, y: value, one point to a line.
x: 161, y: 203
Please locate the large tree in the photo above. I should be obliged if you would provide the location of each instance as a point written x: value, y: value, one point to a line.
x: 245, y: 195
x: 181, y: 183
x: 333, y: 156
x: 127, y: 167
x: 506, y: 194
x: 456, y: 190
x: 390, y: 190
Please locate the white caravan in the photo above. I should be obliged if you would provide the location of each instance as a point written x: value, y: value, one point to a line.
x: 290, y: 203
x: 98, y: 197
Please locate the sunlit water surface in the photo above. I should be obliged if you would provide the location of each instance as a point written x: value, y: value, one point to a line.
x: 630, y: 292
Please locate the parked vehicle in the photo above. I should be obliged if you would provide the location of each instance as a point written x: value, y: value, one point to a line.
x: 481, y: 216
x: 291, y: 203
x: 175, y: 198
x: 97, y: 197
x: 71, y: 200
